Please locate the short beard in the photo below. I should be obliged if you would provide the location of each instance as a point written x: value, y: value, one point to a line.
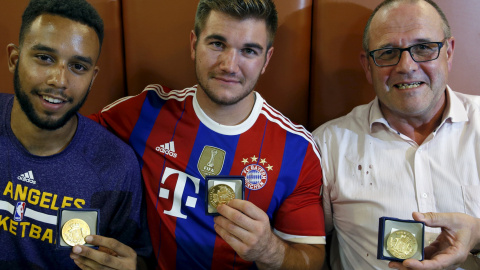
x: 33, y: 116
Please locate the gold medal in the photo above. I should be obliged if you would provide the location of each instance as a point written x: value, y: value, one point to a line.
x: 74, y: 232
x: 220, y: 194
x: 402, y: 244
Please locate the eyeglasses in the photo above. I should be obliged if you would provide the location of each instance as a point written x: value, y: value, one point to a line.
x: 421, y: 52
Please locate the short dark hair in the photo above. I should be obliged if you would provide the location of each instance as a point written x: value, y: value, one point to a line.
x: 76, y: 10
x: 241, y: 9
x: 446, y: 26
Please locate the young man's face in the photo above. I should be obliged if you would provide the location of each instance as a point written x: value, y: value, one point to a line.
x: 54, y: 69
x: 230, y: 55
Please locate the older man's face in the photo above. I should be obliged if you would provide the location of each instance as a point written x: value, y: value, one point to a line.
x: 409, y: 89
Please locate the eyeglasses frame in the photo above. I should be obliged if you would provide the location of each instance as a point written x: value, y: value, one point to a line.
x: 408, y: 49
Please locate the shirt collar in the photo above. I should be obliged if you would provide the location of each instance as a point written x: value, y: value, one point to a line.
x: 375, y: 115
x: 454, y: 111
x: 229, y: 130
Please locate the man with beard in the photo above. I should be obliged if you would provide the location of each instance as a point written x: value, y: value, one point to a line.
x: 223, y: 127
x: 52, y: 157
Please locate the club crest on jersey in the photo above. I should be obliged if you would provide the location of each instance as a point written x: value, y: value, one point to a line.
x: 211, y: 161
x: 255, y: 174
x: 19, y: 211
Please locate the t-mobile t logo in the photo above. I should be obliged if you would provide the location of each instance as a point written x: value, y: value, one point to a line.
x: 178, y: 193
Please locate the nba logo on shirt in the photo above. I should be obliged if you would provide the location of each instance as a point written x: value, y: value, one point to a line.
x: 19, y: 211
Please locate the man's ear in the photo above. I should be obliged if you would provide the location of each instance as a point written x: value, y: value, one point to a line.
x: 96, y: 69
x: 193, y: 44
x: 13, y: 54
x: 450, y: 48
x: 366, y: 66
x: 267, y: 59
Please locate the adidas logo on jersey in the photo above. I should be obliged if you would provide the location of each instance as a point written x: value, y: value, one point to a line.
x: 27, y: 177
x: 167, y: 149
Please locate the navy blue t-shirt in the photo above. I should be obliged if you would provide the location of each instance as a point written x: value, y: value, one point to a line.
x: 96, y: 170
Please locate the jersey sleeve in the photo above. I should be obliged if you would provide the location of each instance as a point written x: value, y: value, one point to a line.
x: 121, y: 116
x: 300, y: 217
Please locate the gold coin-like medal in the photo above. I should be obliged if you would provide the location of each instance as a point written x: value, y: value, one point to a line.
x: 74, y: 232
x: 402, y: 244
x: 220, y: 194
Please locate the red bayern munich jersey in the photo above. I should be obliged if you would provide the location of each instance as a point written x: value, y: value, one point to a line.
x: 179, y: 145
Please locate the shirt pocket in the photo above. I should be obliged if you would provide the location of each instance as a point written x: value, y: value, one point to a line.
x: 471, y: 200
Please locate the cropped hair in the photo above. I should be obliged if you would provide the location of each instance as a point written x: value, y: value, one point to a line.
x: 76, y: 10
x: 240, y: 9
x: 445, y: 27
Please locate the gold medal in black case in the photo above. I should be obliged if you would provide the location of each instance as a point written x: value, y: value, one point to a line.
x: 400, y: 239
x: 74, y: 224
x: 222, y: 189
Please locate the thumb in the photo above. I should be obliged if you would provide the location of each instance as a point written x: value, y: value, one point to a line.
x: 430, y: 219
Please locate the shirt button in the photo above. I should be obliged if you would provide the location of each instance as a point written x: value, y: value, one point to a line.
x: 424, y: 195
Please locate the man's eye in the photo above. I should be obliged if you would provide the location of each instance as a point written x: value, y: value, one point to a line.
x: 217, y: 44
x: 424, y: 47
x: 386, y: 52
x: 44, y: 58
x: 79, y: 67
x: 249, y: 51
